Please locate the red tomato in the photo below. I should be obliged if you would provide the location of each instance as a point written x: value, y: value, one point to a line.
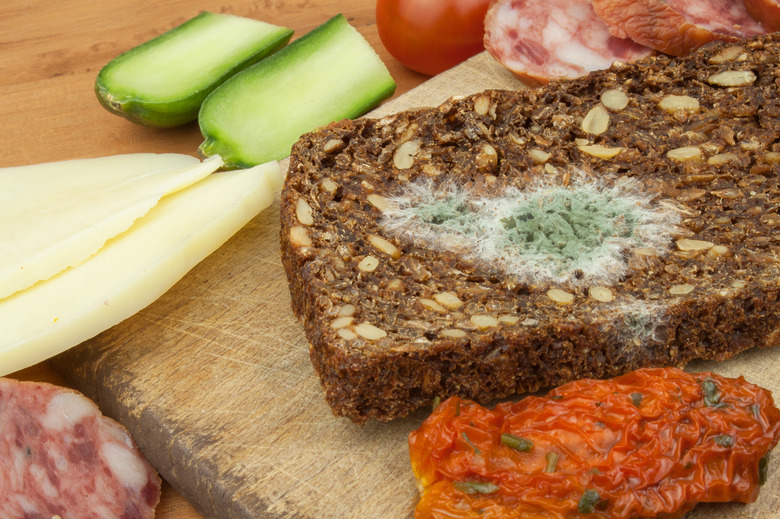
x: 430, y: 36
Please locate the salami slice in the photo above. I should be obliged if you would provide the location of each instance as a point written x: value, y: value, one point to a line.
x: 60, y: 457
x: 540, y: 40
x: 678, y: 27
x: 765, y: 11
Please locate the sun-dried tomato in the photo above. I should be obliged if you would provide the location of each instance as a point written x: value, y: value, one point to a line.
x: 654, y: 442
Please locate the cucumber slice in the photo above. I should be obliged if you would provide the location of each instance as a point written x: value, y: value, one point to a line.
x: 256, y: 116
x: 164, y: 81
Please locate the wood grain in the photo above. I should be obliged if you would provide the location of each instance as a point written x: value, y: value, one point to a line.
x: 214, y: 379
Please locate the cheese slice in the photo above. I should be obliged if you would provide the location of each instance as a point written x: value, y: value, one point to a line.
x: 132, y: 269
x: 56, y: 215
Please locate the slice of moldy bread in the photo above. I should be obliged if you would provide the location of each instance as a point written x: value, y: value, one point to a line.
x: 509, y: 241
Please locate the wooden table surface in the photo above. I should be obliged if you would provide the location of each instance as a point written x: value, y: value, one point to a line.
x: 50, y: 53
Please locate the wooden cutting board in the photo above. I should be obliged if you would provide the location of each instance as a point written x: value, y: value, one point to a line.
x: 213, y: 379
x: 215, y: 383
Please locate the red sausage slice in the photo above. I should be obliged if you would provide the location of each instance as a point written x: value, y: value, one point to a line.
x: 540, y: 40
x: 678, y: 27
x: 765, y: 11
x: 59, y: 456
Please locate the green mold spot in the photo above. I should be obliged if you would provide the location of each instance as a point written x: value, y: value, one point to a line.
x: 451, y: 213
x: 639, y: 325
x: 545, y: 233
x: 569, y: 227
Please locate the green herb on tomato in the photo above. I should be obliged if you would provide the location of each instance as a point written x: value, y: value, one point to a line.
x: 476, y: 487
x: 587, y: 503
x: 516, y: 442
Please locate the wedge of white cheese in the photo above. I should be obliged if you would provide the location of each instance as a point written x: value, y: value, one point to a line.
x: 56, y: 215
x: 133, y: 268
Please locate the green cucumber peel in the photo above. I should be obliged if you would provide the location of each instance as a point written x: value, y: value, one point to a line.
x: 329, y: 74
x: 163, y: 82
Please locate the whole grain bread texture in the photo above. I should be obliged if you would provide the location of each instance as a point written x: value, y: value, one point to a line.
x: 513, y: 240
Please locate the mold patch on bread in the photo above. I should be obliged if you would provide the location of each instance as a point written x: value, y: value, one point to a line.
x: 545, y: 233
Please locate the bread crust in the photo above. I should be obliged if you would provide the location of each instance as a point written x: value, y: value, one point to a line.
x: 374, y: 296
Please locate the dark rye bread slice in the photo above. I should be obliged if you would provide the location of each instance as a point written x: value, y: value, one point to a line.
x: 509, y: 241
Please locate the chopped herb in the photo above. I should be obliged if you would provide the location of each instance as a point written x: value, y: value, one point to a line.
x: 552, y: 461
x: 724, y: 440
x: 516, y: 442
x: 457, y: 408
x: 763, y: 469
x: 556, y: 397
x: 688, y: 466
x: 476, y: 450
x: 711, y: 393
x: 587, y: 504
x: 476, y: 487
x: 436, y: 402
x: 755, y: 409
x: 636, y: 398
